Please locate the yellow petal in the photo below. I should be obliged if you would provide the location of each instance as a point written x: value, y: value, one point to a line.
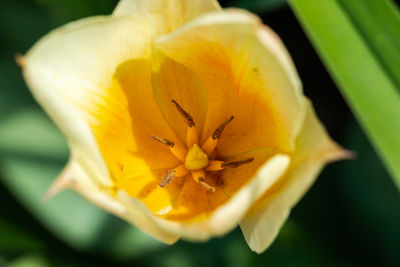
x: 226, y: 216
x: 173, y: 81
x: 182, y: 221
x: 166, y: 15
x: 195, y: 203
x: 247, y: 73
x: 232, y: 179
x: 146, y: 189
x: 314, y: 149
x: 127, y: 118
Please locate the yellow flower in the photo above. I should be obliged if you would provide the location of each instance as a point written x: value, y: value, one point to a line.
x: 182, y: 118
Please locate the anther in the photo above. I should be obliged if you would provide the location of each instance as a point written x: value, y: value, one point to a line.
x: 185, y: 114
x: 171, y: 174
x: 211, y: 143
x: 198, y: 176
x: 205, y: 185
x: 191, y: 135
x: 163, y: 141
x: 178, y: 150
x: 217, y: 133
x: 168, y: 177
x: 237, y: 163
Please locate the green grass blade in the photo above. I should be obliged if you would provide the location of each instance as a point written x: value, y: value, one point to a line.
x: 379, y: 24
x: 358, y: 72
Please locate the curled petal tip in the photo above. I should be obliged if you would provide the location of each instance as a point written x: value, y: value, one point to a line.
x: 348, y: 154
x: 60, y: 184
x: 340, y: 153
x: 20, y: 60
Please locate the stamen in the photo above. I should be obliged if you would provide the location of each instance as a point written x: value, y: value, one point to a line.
x: 168, y: 177
x: 181, y: 171
x: 215, y: 165
x: 198, y: 176
x: 191, y: 137
x: 177, y: 150
x: 171, y: 174
x: 211, y: 143
x: 217, y: 133
x: 205, y: 185
x: 163, y: 141
x: 237, y: 163
x: 185, y: 114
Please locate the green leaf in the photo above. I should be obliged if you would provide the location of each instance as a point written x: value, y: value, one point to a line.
x: 379, y: 24
x: 28, y: 132
x: 32, y: 154
x: 357, y: 70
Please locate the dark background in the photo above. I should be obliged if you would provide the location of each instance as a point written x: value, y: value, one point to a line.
x: 350, y: 217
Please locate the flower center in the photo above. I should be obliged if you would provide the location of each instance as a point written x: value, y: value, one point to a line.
x: 195, y: 159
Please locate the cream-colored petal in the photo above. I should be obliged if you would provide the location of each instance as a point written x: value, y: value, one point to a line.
x: 139, y: 215
x: 247, y: 73
x: 226, y: 217
x: 314, y: 149
x: 75, y: 178
x: 166, y: 15
x: 69, y: 71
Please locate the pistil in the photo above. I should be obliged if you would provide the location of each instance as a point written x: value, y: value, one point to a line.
x: 196, y: 159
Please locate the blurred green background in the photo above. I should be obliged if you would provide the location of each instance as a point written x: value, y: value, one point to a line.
x: 350, y: 217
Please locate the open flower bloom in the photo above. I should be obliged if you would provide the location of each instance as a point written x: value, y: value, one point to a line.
x: 182, y: 118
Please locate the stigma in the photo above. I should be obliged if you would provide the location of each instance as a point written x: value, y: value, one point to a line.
x: 196, y: 159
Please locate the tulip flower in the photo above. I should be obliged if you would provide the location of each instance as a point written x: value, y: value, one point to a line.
x: 182, y: 118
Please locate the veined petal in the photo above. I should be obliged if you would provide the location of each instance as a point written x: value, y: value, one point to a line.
x: 127, y: 118
x: 247, y: 73
x: 70, y: 72
x: 173, y: 81
x: 166, y: 15
x: 314, y: 149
